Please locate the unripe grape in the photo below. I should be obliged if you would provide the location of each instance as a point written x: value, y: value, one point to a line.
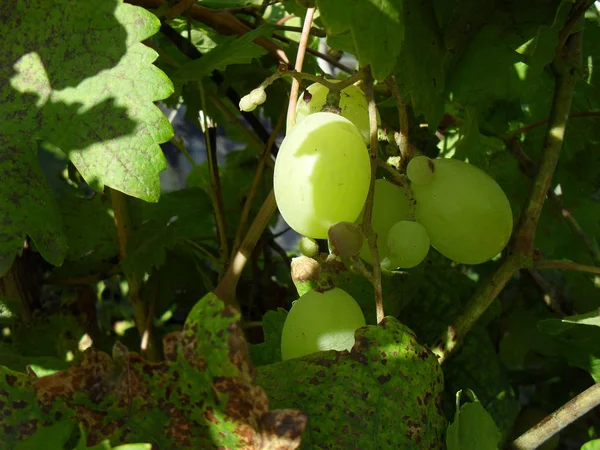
x: 465, y: 212
x: 320, y: 322
x: 390, y: 205
x: 256, y: 97
x: 309, y: 247
x: 353, y: 105
x: 322, y: 174
x: 420, y: 170
x: 407, y: 245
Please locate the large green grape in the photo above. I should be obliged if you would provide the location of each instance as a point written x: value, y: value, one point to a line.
x: 320, y: 322
x: 407, y: 245
x: 322, y: 174
x: 465, y: 212
x: 352, y: 103
x: 390, y: 205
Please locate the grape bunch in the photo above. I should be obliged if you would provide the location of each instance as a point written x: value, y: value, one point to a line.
x: 321, y: 181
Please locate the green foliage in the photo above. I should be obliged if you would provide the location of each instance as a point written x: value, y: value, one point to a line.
x: 79, y: 121
x: 473, y: 428
x: 397, y: 380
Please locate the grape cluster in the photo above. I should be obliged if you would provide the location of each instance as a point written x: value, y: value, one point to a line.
x: 321, y: 181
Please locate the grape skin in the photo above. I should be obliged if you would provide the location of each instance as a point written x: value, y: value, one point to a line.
x: 353, y: 105
x: 465, y: 212
x: 322, y: 174
x: 390, y: 205
x: 420, y: 170
x: 320, y: 322
x: 407, y: 245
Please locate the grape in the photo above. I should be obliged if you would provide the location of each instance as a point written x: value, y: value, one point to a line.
x: 420, y: 170
x: 309, y: 247
x: 407, y: 245
x: 465, y: 212
x: 322, y: 174
x: 352, y: 103
x: 256, y: 97
x: 320, y: 322
x: 390, y: 205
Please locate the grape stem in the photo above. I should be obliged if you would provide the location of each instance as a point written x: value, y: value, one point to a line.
x: 301, y: 76
x: 366, y: 223
x: 559, y: 419
x: 291, y: 113
x: 519, y: 254
x: 401, y: 138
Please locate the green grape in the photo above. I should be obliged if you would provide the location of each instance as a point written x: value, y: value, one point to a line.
x: 255, y: 98
x: 465, y: 212
x: 390, y: 205
x: 322, y: 174
x: 407, y: 245
x: 320, y: 322
x: 309, y: 247
x: 420, y: 170
x: 352, y: 103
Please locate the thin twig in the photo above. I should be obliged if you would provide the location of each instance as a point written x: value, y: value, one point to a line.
x: 559, y: 419
x: 255, y: 183
x: 216, y: 196
x: 291, y: 114
x: 227, y: 286
x: 567, y: 64
x: 401, y: 138
x: 531, y: 126
x: 565, y: 265
x: 300, y: 76
x: 551, y: 297
x: 366, y: 223
x: 577, y: 12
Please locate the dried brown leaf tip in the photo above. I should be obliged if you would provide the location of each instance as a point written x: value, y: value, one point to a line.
x: 202, y: 396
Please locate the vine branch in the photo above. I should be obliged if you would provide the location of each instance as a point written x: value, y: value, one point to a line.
x: 559, y: 419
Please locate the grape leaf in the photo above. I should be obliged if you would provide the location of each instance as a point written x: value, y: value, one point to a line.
x: 473, y: 428
x: 477, y: 367
x: 269, y: 351
x: 420, y: 73
x: 54, y: 436
x: 178, y: 217
x: 202, y: 396
x: 384, y: 393
x: 376, y: 28
x: 235, y: 50
x: 76, y: 76
x: 577, y: 343
x: 591, y: 445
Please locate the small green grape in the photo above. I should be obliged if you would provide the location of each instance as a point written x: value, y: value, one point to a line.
x: 256, y: 97
x: 407, y: 245
x: 309, y: 247
x: 390, y: 205
x: 320, y: 322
